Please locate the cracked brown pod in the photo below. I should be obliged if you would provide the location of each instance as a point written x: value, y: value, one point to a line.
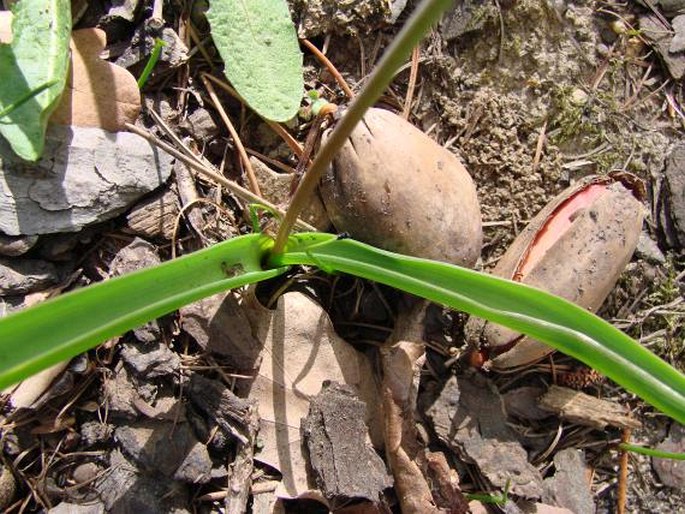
x: 394, y: 187
x: 576, y: 248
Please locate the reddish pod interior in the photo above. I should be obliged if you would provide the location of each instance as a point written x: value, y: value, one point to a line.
x: 558, y: 223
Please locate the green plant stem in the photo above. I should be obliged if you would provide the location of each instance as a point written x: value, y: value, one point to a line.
x: 643, y: 450
x: 151, y: 62
x: 427, y: 13
x: 15, y: 105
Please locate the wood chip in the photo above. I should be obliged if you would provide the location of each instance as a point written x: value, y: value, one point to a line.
x: 585, y: 410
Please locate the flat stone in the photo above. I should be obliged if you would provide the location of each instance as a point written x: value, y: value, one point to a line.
x: 672, y: 212
x: 8, y: 487
x: 122, y: 391
x: 125, y: 489
x: 569, y: 487
x: 21, y: 276
x: 201, y: 125
x: 523, y: 403
x: 672, y: 472
x: 93, y: 507
x: 138, y: 254
x: 14, y: 246
x: 649, y: 250
x: 678, y: 41
x: 165, y: 447
x: 150, y: 360
x: 86, y: 175
x: 196, y: 467
x: 468, y: 416
x: 662, y: 37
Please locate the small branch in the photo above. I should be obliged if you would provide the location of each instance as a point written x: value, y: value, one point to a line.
x: 623, y: 475
x: 330, y: 67
x: 413, y: 74
x: 292, y: 143
x: 239, y: 191
x: 251, y: 178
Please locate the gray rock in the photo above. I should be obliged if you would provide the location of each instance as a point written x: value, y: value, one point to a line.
x: 648, y: 250
x: 94, y: 432
x: 166, y: 447
x: 21, y: 276
x: 14, y: 246
x: 94, y: 507
x: 468, y: 416
x: 86, y: 175
x: 8, y: 487
x: 668, y: 7
x: 123, y: 391
x: 672, y: 472
x: 124, y: 10
x: 150, y: 360
x: 661, y: 36
x: 139, y: 254
x: 124, y: 489
x: 522, y: 403
x: 196, y: 467
x: 464, y: 17
x: 86, y: 472
x: 568, y: 487
x: 672, y: 212
x: 201, y: 125
x: 174, y: 52
x: 678, y: 41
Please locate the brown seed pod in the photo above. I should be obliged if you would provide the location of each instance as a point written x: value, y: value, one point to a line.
x: 576, y: 248
x: 394, y: 187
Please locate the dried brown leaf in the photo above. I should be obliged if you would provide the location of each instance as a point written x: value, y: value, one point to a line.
x: 300, y: 351
x: 98, y: 93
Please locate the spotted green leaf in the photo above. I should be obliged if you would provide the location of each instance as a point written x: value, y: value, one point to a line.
x: 38, y: 55
x: 257, y: 41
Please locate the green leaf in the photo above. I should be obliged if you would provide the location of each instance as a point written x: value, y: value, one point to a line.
x: 38, y: 55
x: 65, y: 326
x: 550, y: 319
x: 257, y: 41
x: 59, y: 329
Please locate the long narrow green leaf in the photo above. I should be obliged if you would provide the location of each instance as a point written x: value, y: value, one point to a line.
x: 61, y: 328
x: 557, y: 322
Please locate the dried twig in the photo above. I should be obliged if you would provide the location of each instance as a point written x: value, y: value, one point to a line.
x: 413, y: 74
x: 292, y: 143
x: 540, y: 145
x: 212, y: 174
x: 251, y: 178
x: 330, y: 67
x: 623, y: 475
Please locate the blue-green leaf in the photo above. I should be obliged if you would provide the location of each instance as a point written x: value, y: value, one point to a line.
x: 257, y: 41
x: 38, y: 55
